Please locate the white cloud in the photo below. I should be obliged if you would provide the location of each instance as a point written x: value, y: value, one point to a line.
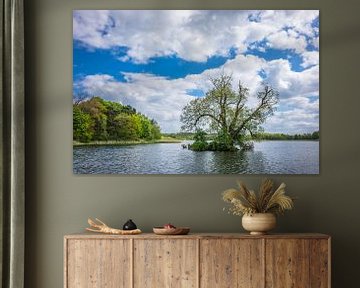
x: 296, y: 121
x: 287, y: 40
x: 315, y: 42
x: 292, y: 83
x: 298, y: 20
x: 310, y: 58
x: 156, y: 97
x: 297, y: 115
x: 148, y: 34
x: 303, y: 103
x: 163, y: 99
x: 87, y: 27
x: 244, y: 68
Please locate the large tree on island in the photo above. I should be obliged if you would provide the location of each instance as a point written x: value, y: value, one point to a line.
x: 223, y: 110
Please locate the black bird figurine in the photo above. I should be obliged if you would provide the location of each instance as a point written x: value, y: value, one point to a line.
x: 129, y: 225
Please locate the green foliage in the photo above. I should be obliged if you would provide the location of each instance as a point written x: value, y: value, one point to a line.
x: 200, y: 136
x: 223, y: 110
x: 315, y: 135
x: 223, y: 142
x: 155, y: 130
x: 282, y: 136
x: 96, y: 119
x: 184, y: 135
x: 125, y: 128
x: 199, y: 146
x: 200, y: 143
x: 82, y: 125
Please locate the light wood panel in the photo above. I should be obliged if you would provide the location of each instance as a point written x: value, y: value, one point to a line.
x: 320, y: 263
x: 166, y: 263
x: 287, y: 263
x: 231, y: 263
x: 98, y: 264
x: 197, y: 260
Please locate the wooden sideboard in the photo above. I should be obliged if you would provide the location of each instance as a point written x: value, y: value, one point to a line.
x: 197, y: 260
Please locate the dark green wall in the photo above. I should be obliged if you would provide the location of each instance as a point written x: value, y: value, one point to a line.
x: 59, y: 202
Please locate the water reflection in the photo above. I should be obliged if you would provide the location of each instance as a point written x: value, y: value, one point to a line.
x: 268, y: 157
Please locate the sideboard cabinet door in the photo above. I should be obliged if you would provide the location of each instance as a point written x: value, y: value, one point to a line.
x: 297, y: 263
x: 287, y: 263
x: 165, y: 263
x: 231, y: 263
x: 320, y: 263
x: 98, y: 263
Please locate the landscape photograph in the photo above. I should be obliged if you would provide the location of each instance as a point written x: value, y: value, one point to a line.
x: 196, y: 92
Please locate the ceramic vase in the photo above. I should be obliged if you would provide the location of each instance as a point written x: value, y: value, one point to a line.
x: 259, y: 223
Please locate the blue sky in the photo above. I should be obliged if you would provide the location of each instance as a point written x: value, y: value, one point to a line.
x: 158, y: 61
x: 101, y: 61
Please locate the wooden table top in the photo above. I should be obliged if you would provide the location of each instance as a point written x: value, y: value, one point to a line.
x: 89, y: 235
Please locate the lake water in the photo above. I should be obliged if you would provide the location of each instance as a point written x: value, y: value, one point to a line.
x: 268, y: 157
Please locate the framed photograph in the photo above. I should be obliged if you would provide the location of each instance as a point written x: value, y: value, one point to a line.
x: 195, y: 92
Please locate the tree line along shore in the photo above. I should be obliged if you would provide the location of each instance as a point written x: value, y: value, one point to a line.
x: 100, y: 122
x: 96, y: 120
x: 256, y: 137
x: 179, y: 137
